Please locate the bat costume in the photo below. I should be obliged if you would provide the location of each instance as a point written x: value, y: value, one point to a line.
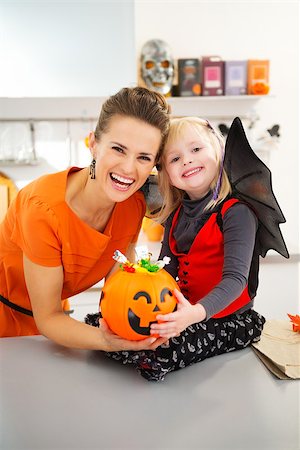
x: 215, y: 255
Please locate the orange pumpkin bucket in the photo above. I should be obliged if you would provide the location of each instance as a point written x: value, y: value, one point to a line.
x: 134, y: 295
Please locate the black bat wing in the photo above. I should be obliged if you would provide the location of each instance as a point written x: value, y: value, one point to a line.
x: 251, y: 182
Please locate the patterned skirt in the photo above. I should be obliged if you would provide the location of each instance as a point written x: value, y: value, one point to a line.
x: 199, y: 341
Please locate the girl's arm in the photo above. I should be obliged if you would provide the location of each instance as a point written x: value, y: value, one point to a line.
x: 44, y: 286
x: 239, y: 228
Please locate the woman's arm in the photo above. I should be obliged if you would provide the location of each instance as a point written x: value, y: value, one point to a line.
x: 44, y: 286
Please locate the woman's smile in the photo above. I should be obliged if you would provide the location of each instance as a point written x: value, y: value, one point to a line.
x: 120, y: 182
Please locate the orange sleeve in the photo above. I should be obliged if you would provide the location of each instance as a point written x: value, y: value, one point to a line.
x: 36, y: 232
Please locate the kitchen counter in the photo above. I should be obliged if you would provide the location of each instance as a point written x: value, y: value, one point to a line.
x: 58, y: 398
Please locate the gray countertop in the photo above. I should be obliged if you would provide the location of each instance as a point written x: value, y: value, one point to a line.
x: 57, y: 398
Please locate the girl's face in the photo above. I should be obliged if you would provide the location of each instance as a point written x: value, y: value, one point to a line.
x: 125, y: 156
x: 190, y: 161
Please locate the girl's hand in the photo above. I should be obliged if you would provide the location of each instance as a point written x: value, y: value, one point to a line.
x: 174, y: 323
x: 115, y: 343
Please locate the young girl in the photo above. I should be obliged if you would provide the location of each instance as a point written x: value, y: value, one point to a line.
x: 210, y: 238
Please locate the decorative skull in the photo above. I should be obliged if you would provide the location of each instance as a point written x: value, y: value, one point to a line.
x: 157, y: 66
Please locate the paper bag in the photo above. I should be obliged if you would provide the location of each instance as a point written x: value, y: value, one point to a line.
x: 279, y: 349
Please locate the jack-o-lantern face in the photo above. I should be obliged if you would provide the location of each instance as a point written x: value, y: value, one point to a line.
x: 142, y: 314
x: 131, y: 301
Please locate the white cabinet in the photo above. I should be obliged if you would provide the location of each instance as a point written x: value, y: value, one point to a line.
x: 70, y: 119
x: 223, y: 109
x: 86, y: 108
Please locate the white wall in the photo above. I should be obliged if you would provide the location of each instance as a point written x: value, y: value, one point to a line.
x: 66, y: 47
x: 91, y: 48
x: 243, y: 30
x: 60, y: 48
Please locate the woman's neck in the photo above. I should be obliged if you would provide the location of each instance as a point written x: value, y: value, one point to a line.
x: 92, y: 209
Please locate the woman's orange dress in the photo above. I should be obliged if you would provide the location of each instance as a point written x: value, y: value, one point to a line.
x: 40, y: 224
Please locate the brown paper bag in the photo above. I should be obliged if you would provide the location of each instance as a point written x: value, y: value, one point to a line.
x: 279, y: 349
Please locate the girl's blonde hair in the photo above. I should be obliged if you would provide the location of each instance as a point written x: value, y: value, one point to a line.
x: 172, y: 196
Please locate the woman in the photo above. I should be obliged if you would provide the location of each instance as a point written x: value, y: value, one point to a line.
x: 61, y: 231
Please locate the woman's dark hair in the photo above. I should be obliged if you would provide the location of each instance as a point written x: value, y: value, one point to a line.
x: 140, y: 103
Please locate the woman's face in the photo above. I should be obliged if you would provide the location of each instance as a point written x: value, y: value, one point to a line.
x: 125, y: 156
x: 190, y: 162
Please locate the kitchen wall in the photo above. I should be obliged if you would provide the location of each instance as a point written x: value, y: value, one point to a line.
x: 53, y: 53
x: 238, y: 30
x: 90, y: 49
x: 66, y: 48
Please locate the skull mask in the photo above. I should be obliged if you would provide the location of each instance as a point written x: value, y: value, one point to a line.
x: 157, y: 66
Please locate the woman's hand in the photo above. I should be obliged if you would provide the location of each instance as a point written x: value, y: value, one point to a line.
x: 173, y: 324
x: 113, y: 342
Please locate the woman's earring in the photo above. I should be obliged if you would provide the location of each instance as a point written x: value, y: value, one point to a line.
x: 92, y: 169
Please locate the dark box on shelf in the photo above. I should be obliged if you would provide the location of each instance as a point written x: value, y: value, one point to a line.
x: 236, y: 77
x: 212, y: 75
x: 189, y: 82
